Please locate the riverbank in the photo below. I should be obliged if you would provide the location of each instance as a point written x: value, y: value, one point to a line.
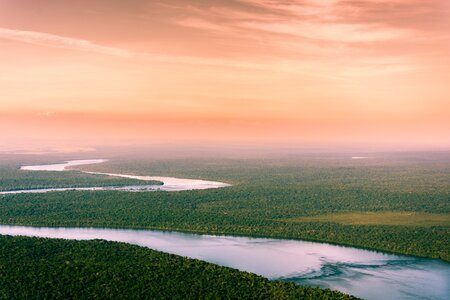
x: 265, y: 198
x: 169, y: 184
x: 61, y: 269
x: 353, y: 271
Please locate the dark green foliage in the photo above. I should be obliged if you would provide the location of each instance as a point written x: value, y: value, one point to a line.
x: 32, y: 268
x: 265, y: 192
x: 11, y: 178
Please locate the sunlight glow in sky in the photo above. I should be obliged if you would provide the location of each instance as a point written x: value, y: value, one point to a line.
x: 264, y: 71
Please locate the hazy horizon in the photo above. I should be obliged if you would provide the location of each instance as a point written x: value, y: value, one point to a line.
x: 306, y: 74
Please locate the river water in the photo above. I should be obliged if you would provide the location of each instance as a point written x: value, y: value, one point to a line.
x: 359, y: 272
x: 170, y: 184
x: 363, y: 273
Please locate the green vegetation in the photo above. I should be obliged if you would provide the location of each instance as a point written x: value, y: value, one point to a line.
x: 381, y: 218
x: 11, y: 178
x: 267, y: 194
x: 32, y: 268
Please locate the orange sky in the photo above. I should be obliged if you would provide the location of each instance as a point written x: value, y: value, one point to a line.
x: 293, y: 72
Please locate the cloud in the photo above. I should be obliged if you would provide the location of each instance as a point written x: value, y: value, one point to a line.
x: 51, y: 40
x: 345, y: 33
x: 332, y: 37
x: 348, y: 36
x: 201, y: 24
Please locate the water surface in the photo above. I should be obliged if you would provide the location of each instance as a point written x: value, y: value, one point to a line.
x: 170, y: 184
x: 363, y: 273
x: 62, y: 166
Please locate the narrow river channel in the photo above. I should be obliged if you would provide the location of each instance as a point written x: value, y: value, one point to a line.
x: 359, y: 272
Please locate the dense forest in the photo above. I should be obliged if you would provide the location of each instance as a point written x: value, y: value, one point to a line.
x: 268, y: 197
x: 32, y: 268
x: 13, y: 179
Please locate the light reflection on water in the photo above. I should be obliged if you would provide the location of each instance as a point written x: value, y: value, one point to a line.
x: 170, y: 184
x: 363, y: 273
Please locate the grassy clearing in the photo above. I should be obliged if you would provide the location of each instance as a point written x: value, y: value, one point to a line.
x: 381, y: 218
x: 265, y: 192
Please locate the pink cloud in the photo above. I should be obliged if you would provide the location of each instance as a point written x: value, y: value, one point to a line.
x: 51, y: 40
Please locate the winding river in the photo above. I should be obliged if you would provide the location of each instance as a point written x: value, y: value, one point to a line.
x: 170, y: 184
x: 363, y: 273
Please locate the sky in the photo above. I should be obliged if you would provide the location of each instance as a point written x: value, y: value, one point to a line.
x: 288, y: 72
